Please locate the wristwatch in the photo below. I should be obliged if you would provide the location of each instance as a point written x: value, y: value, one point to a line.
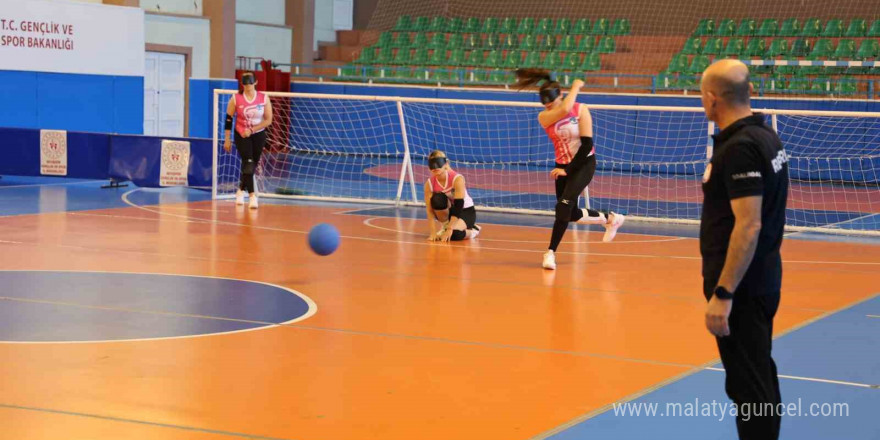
x: 722, y: 293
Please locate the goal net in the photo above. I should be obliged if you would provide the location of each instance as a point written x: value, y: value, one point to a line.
x: 650, y: 159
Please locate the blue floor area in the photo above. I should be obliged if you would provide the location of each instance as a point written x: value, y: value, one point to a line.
x: 35, y: 195
x: 840, y: 347
x: 87, y: 306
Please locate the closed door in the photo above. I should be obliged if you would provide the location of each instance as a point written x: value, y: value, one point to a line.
x: 164, y: 87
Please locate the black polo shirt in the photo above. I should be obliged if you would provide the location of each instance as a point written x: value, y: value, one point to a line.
x: 748, y: 160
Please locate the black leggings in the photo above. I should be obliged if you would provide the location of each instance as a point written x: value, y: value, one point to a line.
x: 249, y: 149
x: 568, y: 189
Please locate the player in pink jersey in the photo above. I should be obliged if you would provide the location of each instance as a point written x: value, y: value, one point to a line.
x: 447, y: 201
x: 253, y: 114
x: 570, y: 128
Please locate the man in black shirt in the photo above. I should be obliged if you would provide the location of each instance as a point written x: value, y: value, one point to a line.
x: 745, y: 188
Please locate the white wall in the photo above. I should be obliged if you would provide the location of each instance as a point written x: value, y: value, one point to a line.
x: 269, y: 42
x: 330, y: 16
x: 189, y: 7
x: 260, y: 11
x: 181, y: 31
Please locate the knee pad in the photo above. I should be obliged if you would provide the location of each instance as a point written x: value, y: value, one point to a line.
x: 563, y: 210
x: 248, y: 166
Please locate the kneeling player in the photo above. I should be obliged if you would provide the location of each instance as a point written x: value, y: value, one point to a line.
x: 448, y: 202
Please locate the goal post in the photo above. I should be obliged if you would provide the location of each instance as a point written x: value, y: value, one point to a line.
x: 650, y: 159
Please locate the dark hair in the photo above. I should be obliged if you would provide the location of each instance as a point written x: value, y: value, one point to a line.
x: 735, y: 91
x: 548, y: 86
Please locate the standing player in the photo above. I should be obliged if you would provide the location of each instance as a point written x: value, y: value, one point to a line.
x: 570, y: 127
x: 253, y: 112
x: 447, y: 200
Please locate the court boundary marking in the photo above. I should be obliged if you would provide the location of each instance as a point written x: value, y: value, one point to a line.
x: 31, y: 185
x: 641, y: 393
x: 312, y: 308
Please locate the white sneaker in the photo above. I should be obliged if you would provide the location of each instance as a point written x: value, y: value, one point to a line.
x: 253, y: 201
x: 587, y: 220
x: 239, y: 197
x: 549, y: 260
x: 612, y: 226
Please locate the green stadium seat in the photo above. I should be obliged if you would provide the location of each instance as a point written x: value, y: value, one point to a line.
x: 438, y: 24
x: 755, y: 48
x: 798, y: 84
x: 692, y: 46
x: 471, y: 25
x: 812, y: 28
x: 824, y: 48
x: 846, y: 49
x: 857, y: 28
x: 621, y: 26
x: 833, y: 28
x: 438, y: 41
x: 846, y: 86
x: 868, y: 49
x: 420, y: 58
x: 533, y: 59
x: 786, y: 70
x: 811, y: 70
x: 420, y: 40
x: 404, y: 23
x: 563, y: 26
x: 587, y: 44
x: 385, y: 56
x: 490, y: 25
x: 726, y: 28
x: 421, y: 24
x: 714, y: 46
x: 367, y: 55
x: 456, y: 57
x: 775, y: 83
x: 348, y: 72
x: 706, y: 27
x: 455, y: 41
x: 600, y: 27
x: 438, y: 58
x: 606, y: 45
x: 528, y: 42
x: 819, y: 86
x: 581, y: 27
x: 747, y: 27
x: 526, y: 26
x: 699, y: 64
x: 552, y: 61
x: 402, y: 40
x: 678, y: 64
x: 571, y: 62
x: 498, y: 76
x: 778, y: 48
x: 874, y: 31
x: 734, y: 48
x: 513, y: 59
x: 507, y: 26
x: 455, y: 24
x: 475, y: 58
x: 385, y: 40
x: 790, y: 27
x: 544, y: 26
x: 769, y: 28
x: 568, y: 43
x: 800, y: 48
x: 472, y: 41
x: 493, y: 60
x: 592, y: 62
x: 403, y: 56
x: 495, y: 41
x: 547, y: 43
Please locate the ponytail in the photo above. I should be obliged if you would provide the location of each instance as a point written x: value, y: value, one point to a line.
x: 549, y: 87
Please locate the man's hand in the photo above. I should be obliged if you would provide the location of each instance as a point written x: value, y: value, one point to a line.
x: 717, y: 312
x: 557, y: 172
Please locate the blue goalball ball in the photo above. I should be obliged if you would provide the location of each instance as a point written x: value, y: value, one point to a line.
x: 323, y: 239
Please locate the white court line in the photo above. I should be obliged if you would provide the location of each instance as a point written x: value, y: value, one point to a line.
x: 313, y: 308
x: 813, y: 379
x: 369, y: 223
x: 873, y: 316
x: 31, y: 185
x: 425, y: 243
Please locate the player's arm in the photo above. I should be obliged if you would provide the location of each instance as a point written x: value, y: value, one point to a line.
x: 458, y: 202
x: 267, y: 116
x: 743, y: 240
x: 548, y: 117
x: 430, y: 211
x: 227, y: 138
x: 585, y: 128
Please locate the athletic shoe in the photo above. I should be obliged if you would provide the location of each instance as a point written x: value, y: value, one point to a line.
x: 549, y: 260
x: 475, y: 232
x: 612, y: 226
x: 239, y: 197
x: 587, y: 220
x: 253, y: 201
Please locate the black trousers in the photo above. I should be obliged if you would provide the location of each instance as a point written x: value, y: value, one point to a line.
x: 249, y: 149
x: 751, y: 380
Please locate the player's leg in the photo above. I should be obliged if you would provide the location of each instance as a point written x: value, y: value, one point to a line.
x: 465, y: 227
x: 243, y: 147
x: 560, y: 224
x: 258, y: 142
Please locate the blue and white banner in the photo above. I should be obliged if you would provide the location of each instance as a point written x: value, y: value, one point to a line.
x: 71, y: 37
